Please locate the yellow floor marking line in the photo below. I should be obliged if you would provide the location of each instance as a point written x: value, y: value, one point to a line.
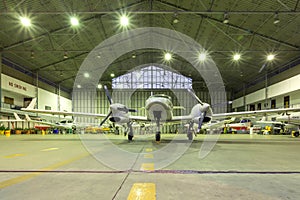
x: 147, y: 167
x: 14, y: 155
x: 142, y: 191
x: 50, y: 149
x: 148, y: 150
x: 148, y: 155
x: 26, y: 177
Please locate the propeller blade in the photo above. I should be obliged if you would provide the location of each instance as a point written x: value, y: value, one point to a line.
x: 201, y: 120
x: 132, y: 110
x: 107, y: 116
x: 195, y: 96
x: 108, y: 95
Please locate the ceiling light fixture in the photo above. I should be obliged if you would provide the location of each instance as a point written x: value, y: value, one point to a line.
x: 236, y: 57
x: 86, y: 75
x: 65, y: 55
x: 25, y: 21
x: 168, y: 56
x: 124, y: 21
x: 270, y: 57
x: 175, y: 18
x: 276, y: 19
x: 225, y: 19
x: 74, y: 21
x: 32, y: 54
x: 202, y: 56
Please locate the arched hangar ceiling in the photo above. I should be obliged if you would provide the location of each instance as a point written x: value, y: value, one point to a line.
x: 250, y: 30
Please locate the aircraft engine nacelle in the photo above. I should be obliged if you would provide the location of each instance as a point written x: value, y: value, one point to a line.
x: 198, y: 110
x: 205, y: 120
x: 118, y: 119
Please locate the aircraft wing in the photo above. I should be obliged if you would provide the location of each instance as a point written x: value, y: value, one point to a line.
x: 17, y: 119
x: 174, y: 119
x: 255, y: 113
x: 11, y: 120
x: 139, y: 118
x: 64, y: 113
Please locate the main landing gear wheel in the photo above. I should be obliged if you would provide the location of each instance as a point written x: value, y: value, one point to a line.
x: 130, y: 137
x: 157, y: 137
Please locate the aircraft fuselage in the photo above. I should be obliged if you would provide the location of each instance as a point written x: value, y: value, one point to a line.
x: 159, y: 107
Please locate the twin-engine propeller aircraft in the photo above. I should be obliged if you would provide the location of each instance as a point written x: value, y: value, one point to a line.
x: 159, y: 109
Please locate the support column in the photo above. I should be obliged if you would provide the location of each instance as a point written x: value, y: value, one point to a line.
x: 58, y: 98
x: 266, y: 91
x: 244, y: 97
x: 0, y: 81
x: 37, y: 89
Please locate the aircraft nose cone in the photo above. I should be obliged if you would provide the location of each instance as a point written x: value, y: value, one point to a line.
x: 157, y: 110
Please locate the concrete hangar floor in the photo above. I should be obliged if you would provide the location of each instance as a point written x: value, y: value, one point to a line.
x: 93, y: 166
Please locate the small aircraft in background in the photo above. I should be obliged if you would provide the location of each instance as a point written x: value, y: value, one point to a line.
x: 159, y: 109
x: 292, y: 121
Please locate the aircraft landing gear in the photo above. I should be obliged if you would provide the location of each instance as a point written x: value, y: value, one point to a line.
x: 157, y: 136
x: 190, y: 136
x: 130, y: 137
x: 295, y: 133
x: 130, y: 131
x: 190, y: 132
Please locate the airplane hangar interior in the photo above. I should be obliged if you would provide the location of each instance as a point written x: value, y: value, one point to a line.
x: 150, y: 99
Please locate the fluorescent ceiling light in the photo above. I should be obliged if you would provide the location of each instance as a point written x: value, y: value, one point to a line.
x: 236, y: 57
x: 124, y: 21
x: 25, y: 21
x: 74, y: 21
x: 168, y: 56
x: 202, y: 56
x: 270, y: 57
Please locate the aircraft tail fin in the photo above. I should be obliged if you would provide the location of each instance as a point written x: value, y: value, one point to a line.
x: 17, y: 117
x: 264, y: 118
x: 32, y: 104
x: 27, y: 117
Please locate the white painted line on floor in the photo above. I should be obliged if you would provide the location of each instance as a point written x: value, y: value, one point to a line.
x: 50, y: 149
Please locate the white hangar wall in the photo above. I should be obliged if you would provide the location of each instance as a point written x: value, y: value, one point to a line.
x: 289, y: 87
x: 18, y: 90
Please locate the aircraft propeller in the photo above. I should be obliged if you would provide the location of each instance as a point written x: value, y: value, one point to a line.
x: 205, y: 106
x: 120, y: 108
x: 201, y: 120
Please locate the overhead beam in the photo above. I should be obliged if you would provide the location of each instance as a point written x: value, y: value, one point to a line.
x: 179, y: 11
x: 202, y: 14
x: 60, y: 61
x: 55, y: 30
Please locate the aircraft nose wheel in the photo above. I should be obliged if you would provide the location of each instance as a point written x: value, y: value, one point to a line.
x: 157, y: 136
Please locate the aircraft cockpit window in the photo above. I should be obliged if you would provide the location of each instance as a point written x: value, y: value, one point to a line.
x: 245, y: 120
